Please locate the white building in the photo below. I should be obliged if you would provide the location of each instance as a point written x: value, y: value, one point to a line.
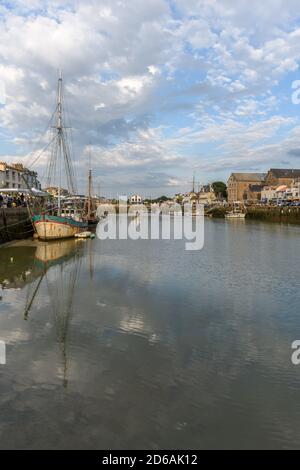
x: 135, y: 199
x: 268, y: 194
x: 16, y: 176
x: 282, y: 192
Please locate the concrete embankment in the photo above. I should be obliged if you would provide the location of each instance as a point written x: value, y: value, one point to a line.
x: 288, y: 215
x: 15, y: 224
x: 216, y: 212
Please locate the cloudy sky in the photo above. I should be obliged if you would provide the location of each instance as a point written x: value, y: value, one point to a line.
x: 155, y: 89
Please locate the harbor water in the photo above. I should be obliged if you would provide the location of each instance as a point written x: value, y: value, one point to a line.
x: 122, y: 344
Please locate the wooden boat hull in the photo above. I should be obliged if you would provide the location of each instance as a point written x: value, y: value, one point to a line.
x: 49, y: 227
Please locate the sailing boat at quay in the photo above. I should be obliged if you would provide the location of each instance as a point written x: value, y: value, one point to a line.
x: 65, y: 219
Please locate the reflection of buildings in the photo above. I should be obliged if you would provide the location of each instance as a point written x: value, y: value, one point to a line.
x: 17, y: 267
x: 21, y: 264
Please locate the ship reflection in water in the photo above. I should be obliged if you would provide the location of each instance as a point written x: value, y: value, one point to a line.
x: 55, y: 263
x: 141, y: 344
x: 63, y: 257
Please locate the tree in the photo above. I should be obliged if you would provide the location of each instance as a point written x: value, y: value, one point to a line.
x: 220, y: 189
x: 159, y: 199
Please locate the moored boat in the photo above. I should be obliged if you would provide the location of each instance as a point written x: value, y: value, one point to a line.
x: 236, y: 213
x: 59, y: 220
x: 53, y: 227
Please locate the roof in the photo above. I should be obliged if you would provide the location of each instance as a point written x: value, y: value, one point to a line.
x: 255, y: 177
x: 32, y: 191
x: 285, y: 172
x: 16, y: 167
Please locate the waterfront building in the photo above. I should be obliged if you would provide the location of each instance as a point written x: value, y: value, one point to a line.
x: 268, y: 193
x: 207, y: 195
x: 293, y: 192
x: 189, y: 198
x: 282, y: 192
x: 16, y: 176
x: 253, y: 193
x: 238, y: 184
x: 135, y: 199
x: 54, y: 191
x: 282, y: 176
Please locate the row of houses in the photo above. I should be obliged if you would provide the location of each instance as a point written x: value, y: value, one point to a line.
x: 257, y: 186
x: 16, y: 176
x: 205, y: 195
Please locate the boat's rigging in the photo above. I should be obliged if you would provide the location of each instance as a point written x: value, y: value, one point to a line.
x: 62, y: 217
x: 32, y: 158
x: 60, y: 149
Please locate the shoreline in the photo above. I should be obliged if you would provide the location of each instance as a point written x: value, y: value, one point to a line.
x: 22, y: 228
x: 281, y: 215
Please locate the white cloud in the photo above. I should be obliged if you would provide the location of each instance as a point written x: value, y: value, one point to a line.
x: 209, y: 68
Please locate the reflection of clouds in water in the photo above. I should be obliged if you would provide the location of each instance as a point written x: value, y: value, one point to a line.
x: 135, y: 324
x: 207, y: 354
x: 15, y: 336
x: 132, y: 325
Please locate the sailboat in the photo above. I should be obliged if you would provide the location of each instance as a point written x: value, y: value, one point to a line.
x: 236, y: 213
x: 64, y: 220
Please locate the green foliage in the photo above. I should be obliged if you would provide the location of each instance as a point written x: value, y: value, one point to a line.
x: 220, y: 189
x: 158, y: 199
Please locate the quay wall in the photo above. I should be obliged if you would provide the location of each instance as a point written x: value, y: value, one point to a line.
x: 15, y: 224
x: 288, y: 215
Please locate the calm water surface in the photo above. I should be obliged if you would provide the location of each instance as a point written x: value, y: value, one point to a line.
x: 141, y: 344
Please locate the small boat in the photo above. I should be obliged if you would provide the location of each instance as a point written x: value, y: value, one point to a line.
x: 236, y: 213
x: 85, y: 234
x: 61, y: 220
